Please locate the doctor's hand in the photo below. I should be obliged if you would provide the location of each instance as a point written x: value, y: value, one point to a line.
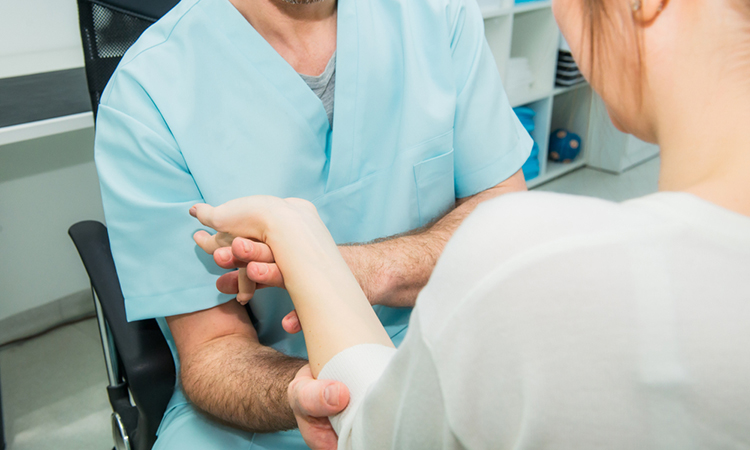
x: 260, y: 268
x: 312, y: 402
x: 257, y: 267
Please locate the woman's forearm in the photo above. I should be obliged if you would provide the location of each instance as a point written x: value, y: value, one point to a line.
x: 332, y: 309
x: 334, y: 312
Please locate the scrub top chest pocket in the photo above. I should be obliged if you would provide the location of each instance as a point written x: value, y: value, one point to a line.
x: 436, y: 192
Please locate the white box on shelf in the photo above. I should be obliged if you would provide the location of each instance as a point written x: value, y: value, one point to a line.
x: 497, y: 30
x: 519, y: 77
x: 536, y: 37
x: 492, y: 8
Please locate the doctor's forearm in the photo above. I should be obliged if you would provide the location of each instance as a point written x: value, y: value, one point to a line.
x: 239, y: 382
x: 392, y: 271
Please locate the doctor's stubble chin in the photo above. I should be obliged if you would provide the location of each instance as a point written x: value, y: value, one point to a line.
x: 301, y: 2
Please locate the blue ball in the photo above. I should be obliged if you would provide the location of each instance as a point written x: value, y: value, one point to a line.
x: 564, y: 146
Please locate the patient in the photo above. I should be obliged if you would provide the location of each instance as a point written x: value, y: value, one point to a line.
x: 560, y: 321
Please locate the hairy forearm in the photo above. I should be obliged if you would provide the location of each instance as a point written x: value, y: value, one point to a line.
x: 239, y: 382
x: 392, y: 271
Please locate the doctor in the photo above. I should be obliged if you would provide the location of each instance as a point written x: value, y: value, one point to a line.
x: 388, y: 115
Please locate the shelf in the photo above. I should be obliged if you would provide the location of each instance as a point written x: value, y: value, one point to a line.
x: 535, y: 37
x: 563, y: 90
x: 527, y: 98
x: 490, y: 11
x: 556, y: 170
x: 531, y: 6
x: 42, y: 128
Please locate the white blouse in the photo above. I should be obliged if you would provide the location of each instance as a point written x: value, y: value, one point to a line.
x: 565, y: 322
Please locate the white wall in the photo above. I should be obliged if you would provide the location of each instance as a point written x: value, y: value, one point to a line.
x: 38, y: 36
x: 46, y: 185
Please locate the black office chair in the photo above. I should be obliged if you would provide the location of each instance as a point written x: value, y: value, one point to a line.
x: 139, y: 363
x: 108, y: 29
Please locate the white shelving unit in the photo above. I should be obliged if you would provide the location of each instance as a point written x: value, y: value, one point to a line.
x: 528, y: 30
x: 617, y: 151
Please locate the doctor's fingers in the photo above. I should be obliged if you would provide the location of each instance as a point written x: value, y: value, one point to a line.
x: 317, y: 398
x: 229, y: 283
x: 245, y: 286
x: 290, y: 323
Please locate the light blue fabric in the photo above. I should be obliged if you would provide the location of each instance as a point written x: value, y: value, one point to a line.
x: 202, y: 109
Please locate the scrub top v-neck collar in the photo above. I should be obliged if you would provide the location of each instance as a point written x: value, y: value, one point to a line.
x: 279, y: 73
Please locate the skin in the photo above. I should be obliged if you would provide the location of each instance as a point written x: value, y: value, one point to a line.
x: 219, y: 350
x: 230, y: 376
x: 225, y: 372
x: 392, y: 271
x: 690, y: 95
x: 677, y: 74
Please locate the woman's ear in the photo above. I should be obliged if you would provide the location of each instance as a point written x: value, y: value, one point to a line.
x: 645, y: 12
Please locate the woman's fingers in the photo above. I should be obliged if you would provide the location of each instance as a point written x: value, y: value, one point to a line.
x: 245, y: 216
x: 224, y: 258
x: 290, y: 323
x: 265, y: 274
x: 210, y: 243
x: 204, y: 213
x: 247, y: 250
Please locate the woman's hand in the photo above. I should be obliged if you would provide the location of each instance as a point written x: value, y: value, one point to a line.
x: 260, y: 268
x: 257, y: 267
x: 248, y: 217
x: 331, y: 307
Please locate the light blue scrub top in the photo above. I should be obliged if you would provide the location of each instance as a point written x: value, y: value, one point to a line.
x: 202, y: 109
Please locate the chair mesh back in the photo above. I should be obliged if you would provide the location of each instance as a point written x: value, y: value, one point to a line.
x: 107, y: 32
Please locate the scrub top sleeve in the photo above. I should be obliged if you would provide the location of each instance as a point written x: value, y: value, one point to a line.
x: 147, y: 191
x: 490, y: 144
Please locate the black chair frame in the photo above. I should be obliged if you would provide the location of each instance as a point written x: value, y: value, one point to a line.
x: 139, y: 363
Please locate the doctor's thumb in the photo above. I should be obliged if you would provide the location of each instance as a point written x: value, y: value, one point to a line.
x: 324, y: 398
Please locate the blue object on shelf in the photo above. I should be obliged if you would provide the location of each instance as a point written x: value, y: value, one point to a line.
x: 526, y: 116
x: 526, y: 1
x: 564, y: 146
x: 531, y: 167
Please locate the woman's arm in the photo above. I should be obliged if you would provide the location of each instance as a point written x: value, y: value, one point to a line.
x: 334, y: 312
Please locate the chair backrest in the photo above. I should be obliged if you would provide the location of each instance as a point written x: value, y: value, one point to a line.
x: 108, y: 29
x: 145, y: 363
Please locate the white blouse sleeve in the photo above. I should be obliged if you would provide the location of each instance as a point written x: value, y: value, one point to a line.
x: 395, y: 396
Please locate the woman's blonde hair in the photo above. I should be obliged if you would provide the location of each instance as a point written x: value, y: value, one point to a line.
x: 603, y: 27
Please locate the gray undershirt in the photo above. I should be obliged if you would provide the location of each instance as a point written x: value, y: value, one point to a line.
x: 323, y: 86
